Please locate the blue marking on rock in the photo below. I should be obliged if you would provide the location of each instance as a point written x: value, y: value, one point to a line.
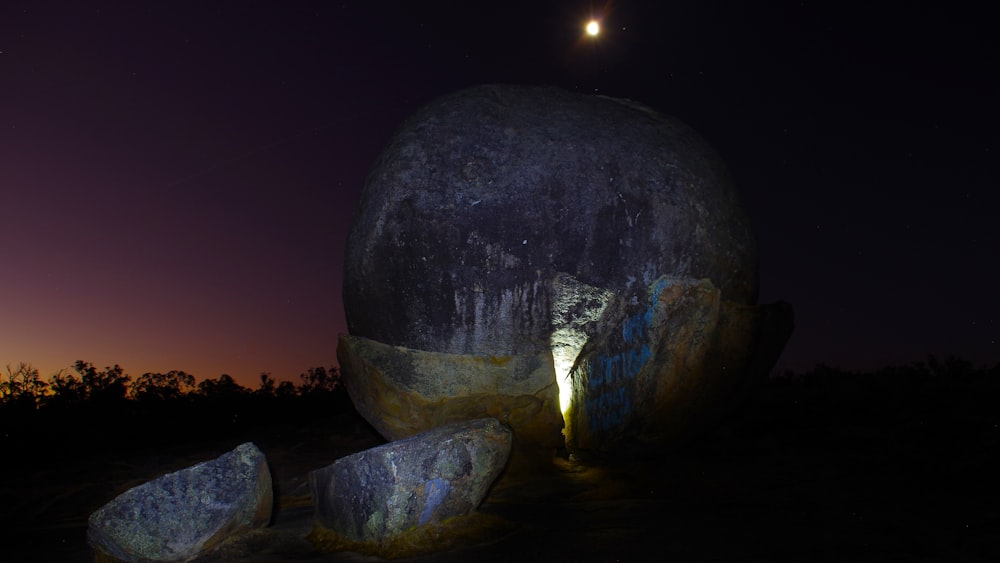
x: 435, y: 490
x: 610, y: 376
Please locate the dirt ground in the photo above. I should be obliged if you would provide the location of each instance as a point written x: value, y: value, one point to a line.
x: 754, y: 490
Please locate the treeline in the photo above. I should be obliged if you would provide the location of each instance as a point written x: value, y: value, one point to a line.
x: 98, y: 409
x: 95, y: 410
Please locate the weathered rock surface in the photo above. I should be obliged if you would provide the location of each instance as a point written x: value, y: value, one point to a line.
x: 186, y: 513
x: 403, y: 391
x: 486, y: 195
x: 665, y: 368
x: 384, y: 491
x: 507, y: 234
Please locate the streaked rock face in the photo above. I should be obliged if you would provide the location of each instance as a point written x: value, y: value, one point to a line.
x: 658, y: 371
x: 186, y: 513
x: 384, y: 491
x: 508, y: 247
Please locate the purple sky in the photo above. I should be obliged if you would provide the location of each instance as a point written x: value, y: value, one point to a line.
x: 177, y: 178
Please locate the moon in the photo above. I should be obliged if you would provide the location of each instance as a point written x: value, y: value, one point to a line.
x: 593, y: 28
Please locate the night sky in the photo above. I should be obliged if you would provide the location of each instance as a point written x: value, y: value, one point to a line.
x: 177, y: 178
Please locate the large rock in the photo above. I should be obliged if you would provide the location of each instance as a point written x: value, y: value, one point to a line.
x: 660, y: 371
x: 183, y: 514
x: 402, y: 391
x: 509, y: 233
x: 382, y: 492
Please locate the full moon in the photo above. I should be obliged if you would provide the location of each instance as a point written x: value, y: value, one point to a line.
x: 593, y: 28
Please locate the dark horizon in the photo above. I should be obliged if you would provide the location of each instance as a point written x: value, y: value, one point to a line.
x: 179, y: 179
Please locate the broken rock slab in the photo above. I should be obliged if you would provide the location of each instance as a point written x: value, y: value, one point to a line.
x: 403, y: 392
x: 382, y: 492
x: 184, y: 514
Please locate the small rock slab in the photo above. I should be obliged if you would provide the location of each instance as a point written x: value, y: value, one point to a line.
x: 384, y: 491
x: 186, y: 513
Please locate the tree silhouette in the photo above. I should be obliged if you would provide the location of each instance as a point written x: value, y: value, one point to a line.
x: 162, y: 386
x: 222, y: 388
x: 267, y: 387
x: 286, y: 390
x: 321, y: 390
x: 319, y: 380
x: 22, y: 385
x: 66, y: 389
x: 102, y: 386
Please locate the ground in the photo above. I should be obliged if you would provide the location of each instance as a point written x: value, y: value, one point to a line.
x: 798, y: 474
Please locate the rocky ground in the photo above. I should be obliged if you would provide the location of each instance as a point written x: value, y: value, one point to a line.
x: 799, y: 475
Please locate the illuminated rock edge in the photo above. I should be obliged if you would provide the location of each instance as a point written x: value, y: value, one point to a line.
x: 403, y: 392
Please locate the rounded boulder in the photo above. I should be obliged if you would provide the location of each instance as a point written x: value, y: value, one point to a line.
x: 549, y: 258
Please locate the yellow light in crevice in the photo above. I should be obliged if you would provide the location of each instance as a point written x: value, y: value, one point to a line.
x: 566, y: 344
x: 576, y: 308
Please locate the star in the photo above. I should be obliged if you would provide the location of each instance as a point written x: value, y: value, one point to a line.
x: 593, y: 28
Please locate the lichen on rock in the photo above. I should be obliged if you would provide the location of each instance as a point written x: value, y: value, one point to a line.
x: 383, y: 492
x: 183, y: 514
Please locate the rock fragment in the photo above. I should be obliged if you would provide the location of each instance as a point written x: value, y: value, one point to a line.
x: 382, y: 492
x: 183, y: 514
